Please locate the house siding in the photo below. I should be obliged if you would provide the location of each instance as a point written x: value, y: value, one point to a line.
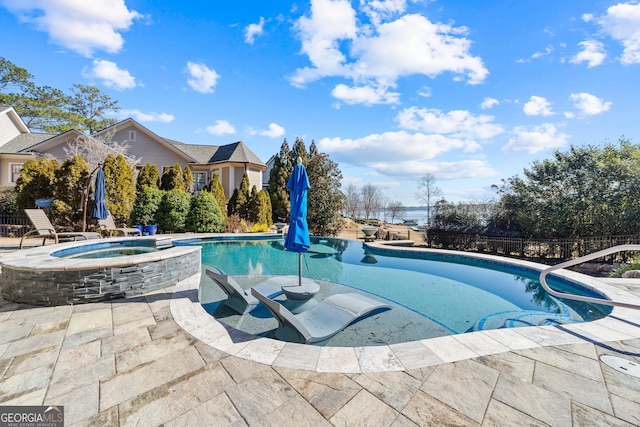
x: 147, y: 149
x: 8, y: 129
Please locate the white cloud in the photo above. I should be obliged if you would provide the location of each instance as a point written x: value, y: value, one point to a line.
x: 592, y: 53
x: 222, y: 127
x: 378, y: 54
x: 274, y: 131
x: 366, y: 95
x: 253, y: 30
x: 489, y: 103
x: 589, y: 104
x: 464, y: 169
x: 537, y: 106
x: 141, y: 117
x: 202, y: 79
x: 456, y: 123
x: 82, y: 26
x: 538, y: 138
x: 111, y: 75
x: 622, y: 22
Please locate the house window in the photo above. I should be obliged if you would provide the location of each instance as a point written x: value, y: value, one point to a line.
x: 132, y: 135
x: 200, y: 180
x: 16, y: 169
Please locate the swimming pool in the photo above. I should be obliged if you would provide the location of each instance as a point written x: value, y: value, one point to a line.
x: 112, y: 249
x: 432, y: 294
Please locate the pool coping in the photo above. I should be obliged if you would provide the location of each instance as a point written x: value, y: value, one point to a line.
x: 620, y: 324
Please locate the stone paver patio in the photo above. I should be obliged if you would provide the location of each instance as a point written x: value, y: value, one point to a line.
x: 128, y: 362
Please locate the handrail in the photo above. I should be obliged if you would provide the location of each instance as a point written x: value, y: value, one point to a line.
x: 580, y: 260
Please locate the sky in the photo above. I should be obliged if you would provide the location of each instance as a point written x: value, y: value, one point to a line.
x: 470, y: 92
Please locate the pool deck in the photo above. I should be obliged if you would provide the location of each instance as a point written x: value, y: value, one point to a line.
x: 132, y: 362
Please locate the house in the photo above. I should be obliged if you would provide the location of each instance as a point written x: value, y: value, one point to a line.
x: 229, y: 162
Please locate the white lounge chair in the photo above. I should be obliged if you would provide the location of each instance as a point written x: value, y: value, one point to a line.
x: 238, y: 299
x: 321, y: 322
x: 42, y: 227
x: 109, y: 226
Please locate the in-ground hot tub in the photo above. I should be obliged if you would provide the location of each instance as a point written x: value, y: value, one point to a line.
x: 95, y: 270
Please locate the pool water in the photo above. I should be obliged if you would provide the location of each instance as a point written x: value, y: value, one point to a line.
x: 106, y: 250
x: 440, y: 296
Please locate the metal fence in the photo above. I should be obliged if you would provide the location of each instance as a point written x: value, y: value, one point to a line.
x: 533, y: 248
x: 13, y: 224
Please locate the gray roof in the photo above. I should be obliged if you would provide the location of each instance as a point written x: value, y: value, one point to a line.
x: 24, y: 141
x: 236, y: 152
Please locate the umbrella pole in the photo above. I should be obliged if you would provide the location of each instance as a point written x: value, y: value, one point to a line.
x: 300, y: 268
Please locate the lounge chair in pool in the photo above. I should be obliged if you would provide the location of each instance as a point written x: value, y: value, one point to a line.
x: 238, y: 299
x: 321, y: 322
x: 42, y: 227
x: 109, y: 226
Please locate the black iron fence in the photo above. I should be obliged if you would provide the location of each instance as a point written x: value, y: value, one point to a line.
x: 533, y: 248
x: 13, y: 224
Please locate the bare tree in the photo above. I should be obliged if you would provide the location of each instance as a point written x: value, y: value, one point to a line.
x: 371, y: 200
x: 94, y: 149
x: 352, y: 206
x: 428, y: 192
x: 395, y: 209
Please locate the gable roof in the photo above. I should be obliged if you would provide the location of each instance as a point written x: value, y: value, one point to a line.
x: 24, y: 141
x: 236, y: 152
x: 15, y: 118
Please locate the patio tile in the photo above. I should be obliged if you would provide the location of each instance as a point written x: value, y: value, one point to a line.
x: 425, y: 410
x: 90, y: 320
x: 153, y: 350
x: 49, y: 327
x: 510, y: 363
x: 35, y: 343
x: 393, y: 388
x: 124, y: 342
x: 414, y: 355
x: 131, y: 316
x: 326, y: 392
x: 378, y: 359
x: 35, y: 397
x: 625, y: 409
x: 125, y: 385
x: 499, y: 415
x: 365, y: 410
x: 163, y: 328
x: 172, y: 399
x: 79, y: 404
x: 24, y: 382
x: 298, y: 356
x: 84, y: 337
x: 466, y: 386
x: 108, y: 418
x: 480, y: 343
x: 261, y: 350
x: 537, y: 402
x: 402, y: 421
x: 448, y: 349
x: 45, y: 357
x: 289, y: 414
x: 12, y: 331
x: 585, y: 416
x: 576, y: 387
x: 549, y: 335
x: 338, y: 359
x: 81, y: 355
x: 621, y: 384
x: 510, y: 338
x: 65, y: 381
x: 218, y: 411
x: 562, y: 359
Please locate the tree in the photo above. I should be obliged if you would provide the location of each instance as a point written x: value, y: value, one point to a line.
x: 205, y: 215
x: 265, y: 213
x: 147, y: 177
x: 88, y: 106
x: 585, y: 191
x: 352, y: 200
x: 172, y: 178
x: 71, y: 181
x: 427, y: 193
x: 35, y: 182
x: 172, y: 212
x: 187, y: 177
x: 396, y: 209
x: 253, y: 208
x: 371, y: 199
x: 325, y: 200
x: 145, y: 207
x: 215, y: 187
x: 282, y: 169
x: 120, y: 187
x: 299, y: 151
x: 95, y: 148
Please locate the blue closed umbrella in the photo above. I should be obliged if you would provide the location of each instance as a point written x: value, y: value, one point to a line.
x: 100, y: 210
x: 297, y: 238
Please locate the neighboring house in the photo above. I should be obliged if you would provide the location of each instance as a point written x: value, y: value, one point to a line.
x: 229, y: 162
